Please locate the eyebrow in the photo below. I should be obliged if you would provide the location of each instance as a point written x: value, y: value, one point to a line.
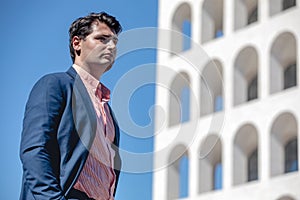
x: 114, y: 37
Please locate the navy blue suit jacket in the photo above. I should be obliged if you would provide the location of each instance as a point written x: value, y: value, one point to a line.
x: 58, y: 129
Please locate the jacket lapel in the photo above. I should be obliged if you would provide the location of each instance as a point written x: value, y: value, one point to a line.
x: 83, y: 111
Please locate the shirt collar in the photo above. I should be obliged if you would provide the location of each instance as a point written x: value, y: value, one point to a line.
x: 93, y: 83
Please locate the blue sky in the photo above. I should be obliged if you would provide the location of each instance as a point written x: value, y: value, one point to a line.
x: 34, y: 36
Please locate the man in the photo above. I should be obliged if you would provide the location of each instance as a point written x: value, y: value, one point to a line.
x: 70, y: 136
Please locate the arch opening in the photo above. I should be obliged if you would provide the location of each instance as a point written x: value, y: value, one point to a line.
x: 246, y: 76
x: 284, y: 146
x: 283, y: 63
x: 245, y: 155
x: 182, y: 29
x: 179, y: 106
x: 210, y: 164
x: 212, y: 20
x: 211, y: 88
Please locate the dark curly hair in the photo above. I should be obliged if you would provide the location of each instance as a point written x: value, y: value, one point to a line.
x: 82, y: 27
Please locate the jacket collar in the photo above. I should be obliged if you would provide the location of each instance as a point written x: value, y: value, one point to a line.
x: 72, y: 72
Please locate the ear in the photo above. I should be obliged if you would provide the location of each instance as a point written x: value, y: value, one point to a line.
x: 76, y: 42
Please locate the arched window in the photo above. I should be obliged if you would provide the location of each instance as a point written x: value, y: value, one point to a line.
x: 284, y: 147
x: 290, y: 76
x: 181, y: 26
x: 179, y: 107
x: 245, y: 76
x: 178, y: 173
x: 291, y: 156
x: 218, y: 176
x: 187, y: 31
x: 286, y: 4
x: 252, y: 89
x: 253, y: 16
x: 212, y: 20
x: 219, y: 103
x: 245, y: 155
x: 184, y: 176
x: 277, y: 6
x: 210, y: 164
x: 211, y: 88
x: 245, y: 13
x: 283, y: 62
x: 252, y: 166
x: 185, y: 104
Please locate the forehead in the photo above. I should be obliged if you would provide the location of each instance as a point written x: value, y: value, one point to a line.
x: 101, y: 28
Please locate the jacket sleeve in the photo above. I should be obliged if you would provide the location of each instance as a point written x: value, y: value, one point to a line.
x: 39, y: 150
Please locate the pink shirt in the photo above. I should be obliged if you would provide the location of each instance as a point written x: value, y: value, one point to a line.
x: 97, y: 178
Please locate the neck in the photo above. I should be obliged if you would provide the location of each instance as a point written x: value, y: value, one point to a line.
x: 95, y: 71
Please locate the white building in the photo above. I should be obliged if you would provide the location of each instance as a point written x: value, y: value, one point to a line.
x: 227, y: 100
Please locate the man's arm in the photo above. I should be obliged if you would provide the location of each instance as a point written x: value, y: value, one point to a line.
x: 39, y: 149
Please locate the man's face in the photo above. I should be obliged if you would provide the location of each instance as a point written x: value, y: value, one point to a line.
x: 98, y: 49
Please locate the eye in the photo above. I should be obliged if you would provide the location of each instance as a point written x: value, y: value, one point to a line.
x: 102, y: 39
x: 115, y: 40
x: 106, y: 39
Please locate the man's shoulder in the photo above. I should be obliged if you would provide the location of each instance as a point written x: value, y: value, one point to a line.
x: 55, y: 80
x: 59, y: 77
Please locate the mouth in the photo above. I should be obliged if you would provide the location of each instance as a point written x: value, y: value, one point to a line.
x: 108, y: 54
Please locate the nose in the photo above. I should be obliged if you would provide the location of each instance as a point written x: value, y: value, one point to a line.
x: 111, y: 44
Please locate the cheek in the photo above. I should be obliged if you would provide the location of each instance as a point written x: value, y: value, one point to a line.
x: 89, y: 45
x: 114, y: 51
x: 93, y: 50
x: 99, y: 47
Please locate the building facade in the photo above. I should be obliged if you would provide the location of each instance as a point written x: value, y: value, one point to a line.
x: 227, y: 100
